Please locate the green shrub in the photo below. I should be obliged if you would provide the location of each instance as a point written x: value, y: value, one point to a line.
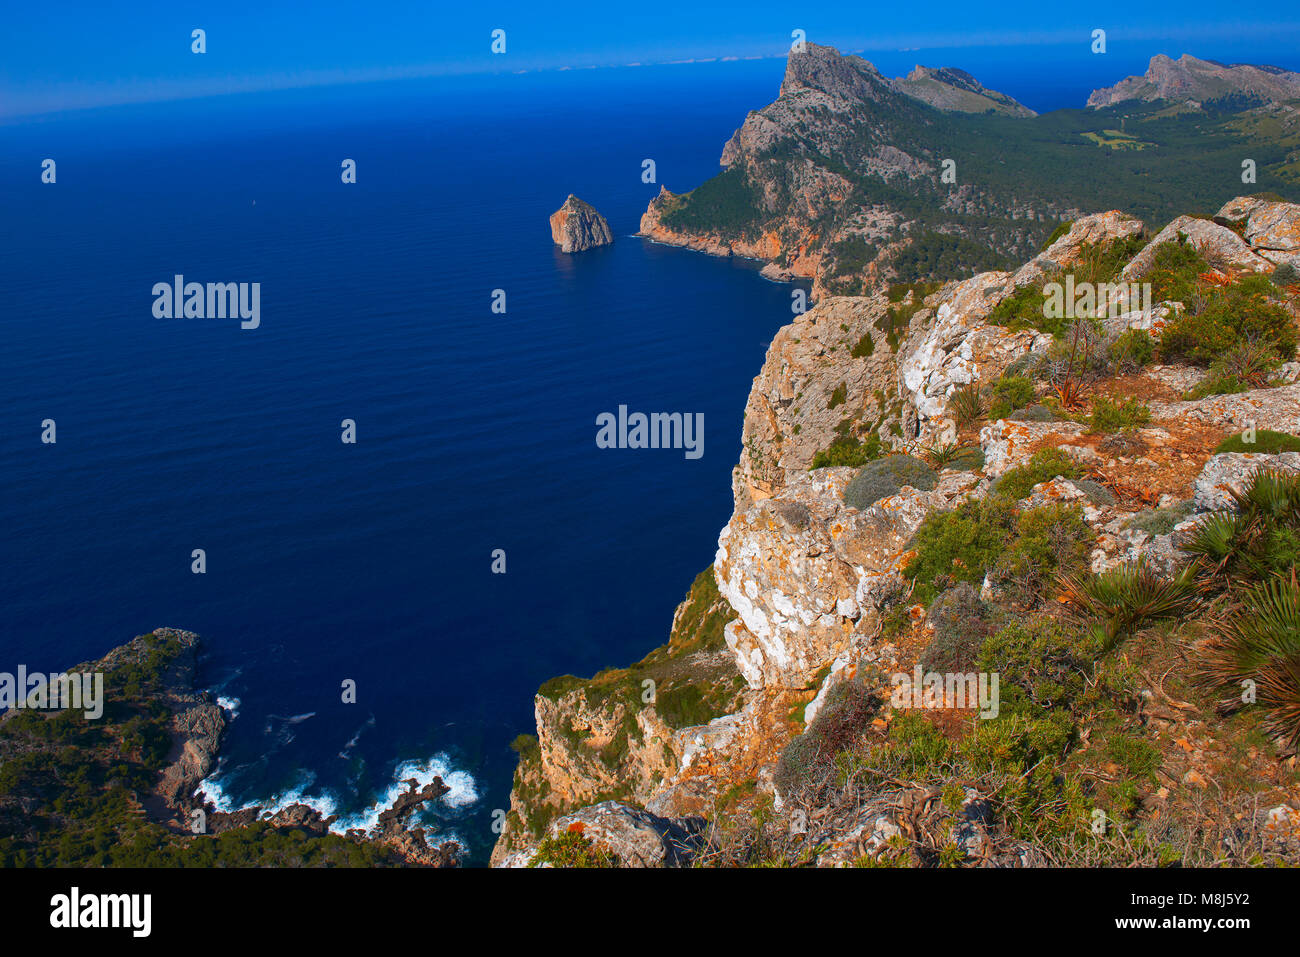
x: 961, y: 624
x: 1061, y: 229
x: 848, y: 450
x: 1010, y: 392
x: 1043, y: 465
x: 1110, y: 416
x: 1229, y: 316
x: 1134, y: 348
x: 1023, y: 309
x: 839, y: 396
x: 885, y: 477
x: 864, y: 346
x: 1043, y: 659
x: 1175, y: 271
x: 1266, y: 442
x: 1285, y: 275
x: 1247, y: 365
x: 571, y: 849
x: 1019, y: 551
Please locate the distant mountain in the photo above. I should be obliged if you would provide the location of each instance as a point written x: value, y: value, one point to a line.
x: 947, y: 88
x: 851, y: 178
x: 1189, y: 79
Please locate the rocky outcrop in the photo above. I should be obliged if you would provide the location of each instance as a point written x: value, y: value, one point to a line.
x: 635, y: 837
x: 1271, y: 228
x: 1189, y: 79
x: 576, y: 226
x: 196, y: 724
x: 1068, y: 249
x: 804, y: 216
x: 1221, y: 247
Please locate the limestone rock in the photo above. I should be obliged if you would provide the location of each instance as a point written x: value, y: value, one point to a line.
x: 957, y: 348
x: 1272, y: 229
x: 1231, y: 471
x: 1068, y: 249
x: 576, y: 226
x: 1220, y: 246
x: 800, y: 567
x: 1277, y: 409
x: 636, y: 837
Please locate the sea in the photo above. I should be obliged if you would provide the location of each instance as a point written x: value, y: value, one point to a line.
x: 384, y: 609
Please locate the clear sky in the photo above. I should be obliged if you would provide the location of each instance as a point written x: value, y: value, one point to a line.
x: 57, y: 55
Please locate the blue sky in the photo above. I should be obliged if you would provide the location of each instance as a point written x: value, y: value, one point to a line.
x: 58, y: 56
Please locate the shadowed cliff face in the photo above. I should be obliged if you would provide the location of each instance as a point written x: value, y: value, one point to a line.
x: 811, y: 593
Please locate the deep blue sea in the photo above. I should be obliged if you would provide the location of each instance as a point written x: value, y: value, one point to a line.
x: 371, y: 562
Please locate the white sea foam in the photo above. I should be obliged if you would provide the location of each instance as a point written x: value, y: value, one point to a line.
x: 463, y: 793
x: 230, y: 704
x: 463, y: 790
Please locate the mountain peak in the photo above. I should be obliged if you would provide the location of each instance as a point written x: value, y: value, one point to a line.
x: 1190, y: 79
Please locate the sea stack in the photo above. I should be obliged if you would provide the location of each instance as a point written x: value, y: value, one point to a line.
x: 576, y: 226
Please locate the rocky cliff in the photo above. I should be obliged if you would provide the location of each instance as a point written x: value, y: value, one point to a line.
x: 1195, y: 81
x: 576, y: 226
x: 1023, y: 462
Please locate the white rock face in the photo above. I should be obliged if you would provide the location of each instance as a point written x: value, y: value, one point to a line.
x: 1008, y: 443
x: 800, y: 570
x: 958, y: 348
x: 637, y: 838
x: 1231, y: 471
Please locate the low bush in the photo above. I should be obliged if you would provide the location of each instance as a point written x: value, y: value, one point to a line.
x: 848, y: 450
x: 885, y: 477
x: 1109, y: 416
x: 961, y: 624
x: 1224, y: 318
x: 1010, y: 392
x: 844, y: 715
x: 1033, y: 413
x: 1266, y: 442
x: 1019, y: 551
x: 1043, y: 465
